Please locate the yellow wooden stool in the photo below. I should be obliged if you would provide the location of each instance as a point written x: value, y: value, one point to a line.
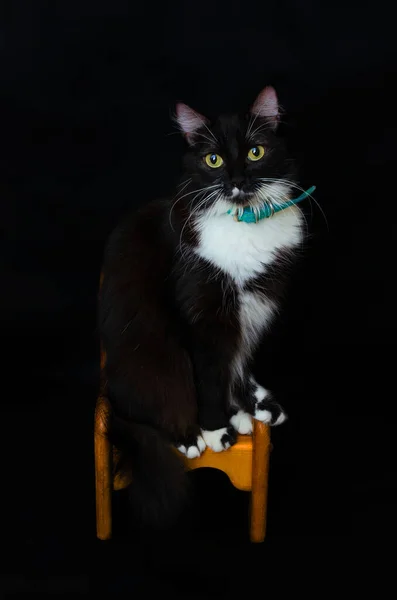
x: 246, y: 464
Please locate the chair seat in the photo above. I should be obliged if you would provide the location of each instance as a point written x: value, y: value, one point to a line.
x: 236, y: 462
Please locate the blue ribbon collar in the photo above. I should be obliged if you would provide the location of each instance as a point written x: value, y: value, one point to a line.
x: 247, y: 214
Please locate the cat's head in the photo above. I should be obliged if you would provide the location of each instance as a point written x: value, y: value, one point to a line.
x: 236, y: 160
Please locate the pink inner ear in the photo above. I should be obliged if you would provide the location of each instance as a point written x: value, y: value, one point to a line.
x: 188, y: 119
x: 266, y: 104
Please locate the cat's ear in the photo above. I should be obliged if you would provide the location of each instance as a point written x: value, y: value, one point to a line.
x: 266, y: 106
x: 189, y: 120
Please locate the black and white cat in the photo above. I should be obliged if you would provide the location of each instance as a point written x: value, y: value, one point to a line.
x: 188, y: 292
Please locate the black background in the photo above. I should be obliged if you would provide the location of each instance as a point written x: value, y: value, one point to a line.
x: 87, y: 91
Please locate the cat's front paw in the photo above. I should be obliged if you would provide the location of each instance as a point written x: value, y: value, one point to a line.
x: 219, y: 439
x: 242, y: 422
x: 192, y: 447
x: 266, y: 409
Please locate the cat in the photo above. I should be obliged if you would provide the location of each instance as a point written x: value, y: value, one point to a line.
x: 188, y: 292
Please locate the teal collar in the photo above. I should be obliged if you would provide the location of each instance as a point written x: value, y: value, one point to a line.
x: 248, y: 215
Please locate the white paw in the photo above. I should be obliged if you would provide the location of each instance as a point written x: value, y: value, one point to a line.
x: 266, y: 409
x: 265, y: 416
x: 242, y: 422
x: 195, y: 450
x: 260, y: 393
x: 275, y: 416
x: 219, y: 439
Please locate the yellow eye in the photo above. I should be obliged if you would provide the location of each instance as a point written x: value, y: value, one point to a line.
x: 214, y: 160
x: 256, y: 153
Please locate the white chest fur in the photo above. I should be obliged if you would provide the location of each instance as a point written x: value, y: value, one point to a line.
x: 243, y: 250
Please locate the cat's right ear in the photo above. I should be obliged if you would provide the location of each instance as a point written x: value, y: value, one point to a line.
x: 189, y: 121
x: 266, y: 106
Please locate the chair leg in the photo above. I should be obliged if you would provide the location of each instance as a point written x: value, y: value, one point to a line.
x: 103, y: 486
x: 260, y: 475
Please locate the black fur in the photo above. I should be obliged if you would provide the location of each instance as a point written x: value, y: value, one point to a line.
x: 169, y: 324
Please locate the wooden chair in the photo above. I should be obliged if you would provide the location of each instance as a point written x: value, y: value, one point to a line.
x: 246, y: 464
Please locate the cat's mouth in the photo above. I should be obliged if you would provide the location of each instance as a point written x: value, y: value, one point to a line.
x: 241, y: 198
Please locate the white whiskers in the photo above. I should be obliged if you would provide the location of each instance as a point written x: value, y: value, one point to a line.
x: 178, y: 198
x: 215, y: 193
x: 250, y: 125
x: 269, y: 180
x: 272, y: 196
x: 259, y: 128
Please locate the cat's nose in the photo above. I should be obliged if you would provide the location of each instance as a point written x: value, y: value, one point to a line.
x: 237, y: 182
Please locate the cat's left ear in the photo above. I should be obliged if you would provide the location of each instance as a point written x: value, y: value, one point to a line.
x: 266, y: 106
x: 189, y: 121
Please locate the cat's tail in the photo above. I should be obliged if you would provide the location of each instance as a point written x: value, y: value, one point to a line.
x: 159, y: 487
